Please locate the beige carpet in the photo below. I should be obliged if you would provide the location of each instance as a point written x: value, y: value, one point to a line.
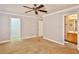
x: 35, y: 46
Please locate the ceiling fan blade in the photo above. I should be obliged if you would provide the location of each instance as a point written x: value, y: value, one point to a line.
x: 36, y: 12
x: 28, y: 11
x: 43, y: 11
x: 40, y: 6
x: 27, y: 7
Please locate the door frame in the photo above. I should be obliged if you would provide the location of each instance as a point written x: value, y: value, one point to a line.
x: 78, y: 32
x: 40, y: 28
x: 77, y: 28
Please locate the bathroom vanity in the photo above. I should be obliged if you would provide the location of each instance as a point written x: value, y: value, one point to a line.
x: 71, y: 28
x: 72, y: 37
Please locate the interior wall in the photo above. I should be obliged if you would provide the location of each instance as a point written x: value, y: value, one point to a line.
x: 54, y: 25
x: 53, y: 28
x: 29, y: 26
x: 4, y: 27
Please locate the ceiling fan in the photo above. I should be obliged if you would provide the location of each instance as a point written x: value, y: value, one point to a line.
x: 35, y: 8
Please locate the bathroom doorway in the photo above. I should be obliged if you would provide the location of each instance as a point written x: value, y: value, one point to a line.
x: 70, y: 30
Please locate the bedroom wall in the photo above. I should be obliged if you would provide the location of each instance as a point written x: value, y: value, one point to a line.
x: 4, y: 27
x: 54, y: 25
x: 28, y: 25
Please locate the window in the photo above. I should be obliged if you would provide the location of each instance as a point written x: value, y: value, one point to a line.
x: 15, y: 29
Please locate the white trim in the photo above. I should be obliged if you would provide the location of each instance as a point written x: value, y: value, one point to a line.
x: 63, y: 30
x: 10, y: 13
x: 64, y: 10
x: 4, y: 41
x: 29, y: 37
x: 22, y: 38
x: 78, y: 32
x: 53, y: 40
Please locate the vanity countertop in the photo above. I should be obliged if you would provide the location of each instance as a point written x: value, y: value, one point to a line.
x: 72, y: 31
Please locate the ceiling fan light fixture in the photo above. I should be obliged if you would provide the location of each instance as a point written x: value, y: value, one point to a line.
x: 36, y: 9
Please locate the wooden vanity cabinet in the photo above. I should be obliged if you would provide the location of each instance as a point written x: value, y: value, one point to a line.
x: 72, y: 37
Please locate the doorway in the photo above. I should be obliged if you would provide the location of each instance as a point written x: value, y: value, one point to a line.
x: 40, y: 28
x: 15, y: 29
x: 70, y: 30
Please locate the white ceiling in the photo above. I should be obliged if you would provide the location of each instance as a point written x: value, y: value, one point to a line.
x: 17, y: 8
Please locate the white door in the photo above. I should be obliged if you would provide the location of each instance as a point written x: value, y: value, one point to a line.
x: 15, y: 29
x: 40, y: 28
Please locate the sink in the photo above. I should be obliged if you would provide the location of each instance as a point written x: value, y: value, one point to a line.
x: 72, y: 31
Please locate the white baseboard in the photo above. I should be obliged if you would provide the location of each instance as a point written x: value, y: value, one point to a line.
x: 32, y: 37
x: 53, y: 40
x: 4, y: 41
x: 22, y: 38
x: 29, y: 37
